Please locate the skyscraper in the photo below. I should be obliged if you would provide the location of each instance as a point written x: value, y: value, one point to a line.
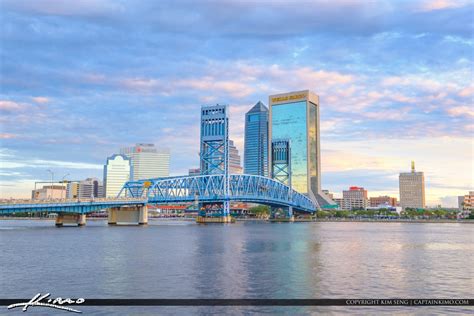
x: 256, y: 140
x: 148, y: 161
x: 412, y: 188
x: 295, y: 116
x: 116, y: 172
x: 234, y: 159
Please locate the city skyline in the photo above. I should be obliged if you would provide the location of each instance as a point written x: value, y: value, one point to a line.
x: 71, y: 108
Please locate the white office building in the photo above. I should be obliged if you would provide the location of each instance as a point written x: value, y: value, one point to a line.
x: 148, y: 161
x: 116, y: 172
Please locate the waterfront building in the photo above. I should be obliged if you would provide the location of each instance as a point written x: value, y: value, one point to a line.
x: 90, y: 188
x: 194, y: 172
x: 466, y: 202
x: 72, y: 190
x: 117, y: 171
x: 148, y: 161
x: 295, y: 116
x: 339, y: 202
x: 412, y: 188
x: 234, y: 159
x: 382, y: 200
x: 256, y: 140
x: 355, y: 198
x: 49, y: 192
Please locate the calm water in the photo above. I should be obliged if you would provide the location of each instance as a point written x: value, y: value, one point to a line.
x: 170, y: 259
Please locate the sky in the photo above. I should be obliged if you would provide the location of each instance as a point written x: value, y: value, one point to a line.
x: 80, y: 79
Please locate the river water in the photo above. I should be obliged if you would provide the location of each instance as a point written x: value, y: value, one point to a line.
x: 180, y: 259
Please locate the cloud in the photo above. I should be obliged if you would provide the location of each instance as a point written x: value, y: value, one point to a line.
x: 431, y: 5
x: 41, y: 100
x: 461, y: 111
x: 86, y: 8
x: 10, y: 106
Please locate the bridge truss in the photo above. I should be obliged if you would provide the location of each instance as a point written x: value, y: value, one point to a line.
x: 211, y: 189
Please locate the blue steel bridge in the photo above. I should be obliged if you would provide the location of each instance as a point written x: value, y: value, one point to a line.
x: 181, y: 189
x: 211, y: 189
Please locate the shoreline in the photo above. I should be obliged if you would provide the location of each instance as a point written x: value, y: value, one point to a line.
x: 343, y: 220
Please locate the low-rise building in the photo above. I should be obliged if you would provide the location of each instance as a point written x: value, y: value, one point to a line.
x: 49, y: 192
x: 382, y: 200
x: 355, y: 198
x: 466, y: 202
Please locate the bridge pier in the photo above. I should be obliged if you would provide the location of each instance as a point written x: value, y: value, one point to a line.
x: 282, y: 215
x: 128, y: 215
x: 70, y: 219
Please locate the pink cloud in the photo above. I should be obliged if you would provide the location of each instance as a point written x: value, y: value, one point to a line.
x: 461, y: 111
x: 7, y: 136
x: 11, y: 106
x: 40, y: 100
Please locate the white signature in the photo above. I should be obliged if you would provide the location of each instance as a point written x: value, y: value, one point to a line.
x: 57, y: 303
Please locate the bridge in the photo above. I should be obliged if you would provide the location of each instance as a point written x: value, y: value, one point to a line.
x: 131, y: 205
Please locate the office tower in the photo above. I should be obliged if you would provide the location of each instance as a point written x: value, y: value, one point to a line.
x: 116, y: 172
x: 256, y: 140
x: 90, y: 188
x: 355, y: 198
x: 382, y: 200
x: 234, y: 159
x: 412, y: 188
x: 148, y: 161
x: 295, y: 116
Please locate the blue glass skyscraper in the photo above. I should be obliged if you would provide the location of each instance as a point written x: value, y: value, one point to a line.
x: 256, y: 140
x: 294, y: 116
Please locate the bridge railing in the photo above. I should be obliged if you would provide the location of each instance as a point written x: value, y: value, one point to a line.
x: 58, y: 201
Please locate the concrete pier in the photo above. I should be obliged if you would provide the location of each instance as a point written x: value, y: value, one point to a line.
x: 70, y: 220
x: 282, y: 219
x: 217, y: 219
x: 129, y: 215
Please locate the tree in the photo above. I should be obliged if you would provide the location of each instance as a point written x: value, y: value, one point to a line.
x: 260, y: 210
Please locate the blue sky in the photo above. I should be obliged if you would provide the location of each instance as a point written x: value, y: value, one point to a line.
x: 80, y: 79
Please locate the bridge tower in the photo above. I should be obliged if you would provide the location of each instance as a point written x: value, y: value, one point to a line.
x: 281, y: 171
x: 214, y: 154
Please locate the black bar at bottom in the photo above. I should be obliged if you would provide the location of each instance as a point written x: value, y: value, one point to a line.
x: 261, y: 302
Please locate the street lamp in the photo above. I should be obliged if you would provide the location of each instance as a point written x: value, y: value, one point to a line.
x: 52, y: 178
x: 62, y: 181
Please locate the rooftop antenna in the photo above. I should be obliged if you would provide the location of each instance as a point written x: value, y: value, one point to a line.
x: 412, y: 166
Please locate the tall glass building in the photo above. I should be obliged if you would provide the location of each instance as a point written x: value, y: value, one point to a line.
x: 256, y: 140
x: 295, y: 116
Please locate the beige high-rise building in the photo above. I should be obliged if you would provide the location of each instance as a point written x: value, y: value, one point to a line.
x: 412, y: 188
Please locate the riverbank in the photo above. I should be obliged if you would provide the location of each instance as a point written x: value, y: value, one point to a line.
x: 333, y: 220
